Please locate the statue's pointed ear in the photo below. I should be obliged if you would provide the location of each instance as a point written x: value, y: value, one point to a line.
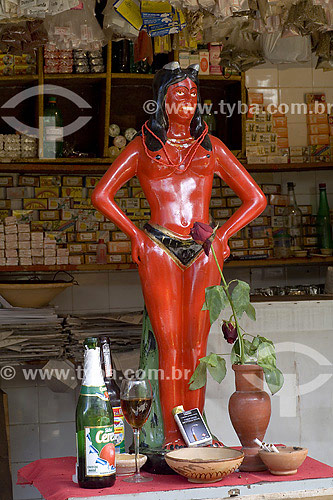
x: 172, y: 66
x: 194, y: 68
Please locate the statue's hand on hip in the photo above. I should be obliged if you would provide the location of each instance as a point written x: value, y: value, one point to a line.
x: 222, y: 248
x: 138, y: 246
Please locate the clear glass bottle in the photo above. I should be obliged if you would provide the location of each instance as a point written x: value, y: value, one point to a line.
x: 101, y: 256
x: 53, y: 137
x: 94, y: 424
x: 292, y: 217
x: 324, y: 227
x: 114, y: 396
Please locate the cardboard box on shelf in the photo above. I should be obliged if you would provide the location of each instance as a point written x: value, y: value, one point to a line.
x: 119, y: 246
x: 233, y: 244
x: 72, y: 181
x: 35, y: 204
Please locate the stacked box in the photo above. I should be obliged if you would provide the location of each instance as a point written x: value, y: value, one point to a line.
x: 318, y: 128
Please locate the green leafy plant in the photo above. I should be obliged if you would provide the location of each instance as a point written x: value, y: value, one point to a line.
x: 246, y: 349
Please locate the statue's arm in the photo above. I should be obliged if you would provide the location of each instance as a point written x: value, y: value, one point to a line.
x: 236, y: 176
x: 121, y: 171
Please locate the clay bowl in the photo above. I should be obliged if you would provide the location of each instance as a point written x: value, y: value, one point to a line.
x: 125, y: 463
x: 31, y: 294
x: 204, y: 465
x: 286, y: 462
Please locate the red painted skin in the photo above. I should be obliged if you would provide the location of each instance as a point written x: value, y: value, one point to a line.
x: 178, y: 198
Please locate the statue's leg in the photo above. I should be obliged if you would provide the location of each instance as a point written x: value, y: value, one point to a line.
x: 162, y: 282
x: 201, y: 274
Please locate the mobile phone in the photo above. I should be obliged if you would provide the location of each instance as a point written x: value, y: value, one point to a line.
x: 192, y: 427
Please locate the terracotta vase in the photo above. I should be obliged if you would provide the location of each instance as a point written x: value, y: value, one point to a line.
x: 250, y: 411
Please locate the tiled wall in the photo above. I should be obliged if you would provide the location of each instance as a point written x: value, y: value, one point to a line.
x: 42, y: 422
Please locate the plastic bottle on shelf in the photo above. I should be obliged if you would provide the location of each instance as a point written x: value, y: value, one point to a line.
x: 293, y: 221
x: 101, y: 252
x: 324, y: 228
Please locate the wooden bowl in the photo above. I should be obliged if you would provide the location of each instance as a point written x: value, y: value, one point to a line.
x: 125, y: 463
x: 31, y: 294
x: 204, y: 465
x: 286, y: 462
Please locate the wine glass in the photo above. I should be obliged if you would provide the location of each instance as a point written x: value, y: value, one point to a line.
x: 135, y: 398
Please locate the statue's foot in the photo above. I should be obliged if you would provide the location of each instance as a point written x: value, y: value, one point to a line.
x: 174, y: 445
x: 216, y: 444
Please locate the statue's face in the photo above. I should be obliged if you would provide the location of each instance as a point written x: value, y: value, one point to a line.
x: 181, y: 100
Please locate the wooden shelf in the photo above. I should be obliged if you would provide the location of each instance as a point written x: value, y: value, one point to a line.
x: 142, y: 76
x: 59, y: 165
x: 286, y: 167
x: 18, y: 79
x: 114, y: 267
x: 74, y: 76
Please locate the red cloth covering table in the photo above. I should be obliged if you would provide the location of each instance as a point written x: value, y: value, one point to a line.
x: 53, y: 478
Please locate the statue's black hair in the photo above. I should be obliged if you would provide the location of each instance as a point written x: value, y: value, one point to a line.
x: 158, y: 122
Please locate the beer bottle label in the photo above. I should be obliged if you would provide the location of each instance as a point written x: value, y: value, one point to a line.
x: 119, y: 429
x: 99, y: 451
x: 95, y: 391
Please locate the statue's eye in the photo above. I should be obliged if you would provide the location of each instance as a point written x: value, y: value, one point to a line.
x: 180, y: 92
x: 193, y: 93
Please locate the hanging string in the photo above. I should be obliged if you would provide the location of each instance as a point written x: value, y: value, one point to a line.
x: 193, y: 149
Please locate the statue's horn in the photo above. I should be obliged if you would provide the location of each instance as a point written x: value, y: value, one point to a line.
x: 172, y: 66
x: 194, y: 67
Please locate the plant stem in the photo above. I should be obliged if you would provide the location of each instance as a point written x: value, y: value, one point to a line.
x: 226, y: 289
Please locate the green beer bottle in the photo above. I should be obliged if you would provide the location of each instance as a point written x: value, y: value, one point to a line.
x: 94, y: 424
x: 114, y: 396
x: 324, y: 228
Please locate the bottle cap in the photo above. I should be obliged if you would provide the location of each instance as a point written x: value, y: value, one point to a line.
x: 178, y: 409
x: 100, y: 240
x: 207, y: 101
x: 53, y: 100
x: 322, y: 185
x: 290, y: 185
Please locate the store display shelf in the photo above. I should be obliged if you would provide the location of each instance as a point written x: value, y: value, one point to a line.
x: 18, y: 78
x: 150, y: 76
x: 115, y: 267
x: 286, y: 167
x: 74, y: 76
x: 58, y: 165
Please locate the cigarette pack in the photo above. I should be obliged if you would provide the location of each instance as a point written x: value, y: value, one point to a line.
x: 278, y: 199
x: 260, y: 221
x: 282, y: 142
x: 279, y: 122
x: 260, y: 242
x: 11, y: 253
x: 23, y: 228
x: 25, y: 253
x: 258, y: 232
x: 255, y: 98
x: 24, y: 245
x: 58, y: 203
x: 271, y: 188
x: 20, y: 192
x: 72, y: 181
x: 234, y: 244
x: 86, y: 226
x: 234, y: 202
x: 321, y: 128
x: 50, y: 180
x: 11, y: 229
x: 50, y: 251
x: 9, y: 221
x: 25, y: 261
x: 76, y: 260
x: 122, y: 193
x: 77, y: 248
x: 86, y: 237
x: 27, y: 180
x: 239, y: 253
x: 259, y: 252
x: 47, y: 192
x: 108, y: 226
x: 119, y: 236
x: 81, y: 202
x: 50, y: 261
x: 217, y: 203
x: 281, y: 131
x: 227, y: 191
x: 277, y: 221
x: 316, y: 119
x: 5, y: 204
x: 310, y: 241
x: 49, y: 215
x: 62, y: 261
x: 72, y: 192
x: 62, y: 252
x: 116, y: 259
x: 129, y: 203
x: 298, y: 159
x: 144, y: 203
x: 221, y: 213
x: 24, y: 237
x: 92, y: 181
x: 90, y: 259
x: 37, y: 252
x: 203, y: 62
x: 277, y: 159
x: 37, y: 261
x: 256, y: 159
x: 91, y: 247
x: 56, y: 236
x: 305, y: 209
x: 35, y: 204
x: 37, y: 236
x: 37, y: 244
x: 119, y: 246
x: 6, y: 180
